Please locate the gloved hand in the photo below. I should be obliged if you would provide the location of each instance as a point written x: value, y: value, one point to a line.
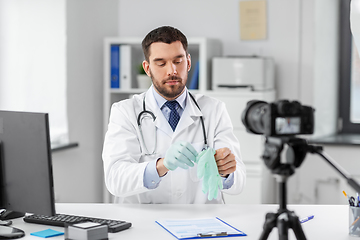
x: 180, y: 154
x: 207, y: 169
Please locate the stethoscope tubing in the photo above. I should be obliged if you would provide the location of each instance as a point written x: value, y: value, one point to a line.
x: 201, y: 118
x: 144, y: 111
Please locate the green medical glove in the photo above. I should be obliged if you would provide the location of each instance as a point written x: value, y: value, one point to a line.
x: 207, y: 169
x: 180, y: 154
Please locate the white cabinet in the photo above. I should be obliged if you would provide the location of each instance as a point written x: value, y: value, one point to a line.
x: 251, y: 145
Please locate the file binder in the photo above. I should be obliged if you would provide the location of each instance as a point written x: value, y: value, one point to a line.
x: 125, y: 67
x: 115, y: 66
x: 199, y: 228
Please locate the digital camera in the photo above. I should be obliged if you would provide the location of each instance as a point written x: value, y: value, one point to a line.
x: 281, y: 118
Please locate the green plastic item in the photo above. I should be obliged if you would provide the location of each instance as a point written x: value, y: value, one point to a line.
x: 208, y: 171
x: 180, y: 154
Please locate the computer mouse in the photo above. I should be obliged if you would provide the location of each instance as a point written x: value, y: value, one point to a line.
x: 10, y: 232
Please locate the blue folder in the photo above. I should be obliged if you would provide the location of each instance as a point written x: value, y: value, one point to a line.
x: 115, y: 66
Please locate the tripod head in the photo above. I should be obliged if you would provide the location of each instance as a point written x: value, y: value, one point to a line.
x: 295, y: 154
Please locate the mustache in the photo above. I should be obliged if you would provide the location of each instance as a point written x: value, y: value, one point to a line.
x: 172, y: 78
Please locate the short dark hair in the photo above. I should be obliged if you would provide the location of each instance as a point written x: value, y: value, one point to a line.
x: 165, y: 34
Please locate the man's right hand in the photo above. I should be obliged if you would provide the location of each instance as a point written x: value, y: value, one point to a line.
x: 180, y: 154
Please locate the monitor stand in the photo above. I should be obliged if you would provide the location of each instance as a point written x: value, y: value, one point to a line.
x: 10, y: 215
x: 6, y: 214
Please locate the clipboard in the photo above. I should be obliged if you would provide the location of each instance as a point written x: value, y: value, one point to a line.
x: 199, y: 228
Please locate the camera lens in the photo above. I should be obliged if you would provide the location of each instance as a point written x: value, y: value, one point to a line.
x: 252, y: 116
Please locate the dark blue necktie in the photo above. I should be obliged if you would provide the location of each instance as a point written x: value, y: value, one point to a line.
x: 174, y: 115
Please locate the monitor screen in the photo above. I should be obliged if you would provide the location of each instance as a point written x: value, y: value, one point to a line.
x: 25, y: 161
x: 288, y: 125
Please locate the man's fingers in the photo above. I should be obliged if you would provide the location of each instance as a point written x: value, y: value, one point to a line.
x: 227, y: 171
x: 223, y: 161
x: 226, y: 165
x: 222, y: 153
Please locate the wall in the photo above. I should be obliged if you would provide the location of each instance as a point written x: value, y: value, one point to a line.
x: 78, y: 172
x: 301, y: 38
x: 220, y: 19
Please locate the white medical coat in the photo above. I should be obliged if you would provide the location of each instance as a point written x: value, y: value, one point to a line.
x: 124, y: 161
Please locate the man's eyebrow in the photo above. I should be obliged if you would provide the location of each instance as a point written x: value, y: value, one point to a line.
x: 158, y: 59
x: 162, y: 59
x: 179, y: 56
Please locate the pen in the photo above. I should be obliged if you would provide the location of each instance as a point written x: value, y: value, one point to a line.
x: 355, y: 222
x: 305, y: 219
x: 354, y: 226
x: 350, y: 199
x: 210, y: 234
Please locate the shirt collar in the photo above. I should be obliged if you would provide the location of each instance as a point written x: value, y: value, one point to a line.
x: 160, y: 100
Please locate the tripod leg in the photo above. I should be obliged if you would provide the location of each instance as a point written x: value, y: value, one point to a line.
x: 296, y: 226
x: 270, y: 223
x: 283, y: 226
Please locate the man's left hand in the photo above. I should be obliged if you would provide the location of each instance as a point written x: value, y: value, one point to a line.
x: 225, y: 161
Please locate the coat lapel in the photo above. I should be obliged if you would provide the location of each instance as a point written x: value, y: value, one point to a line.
x: 160, y: 122
x: 190, y: 113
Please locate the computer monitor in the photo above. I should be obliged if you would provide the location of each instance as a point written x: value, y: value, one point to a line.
x: 26, y: 178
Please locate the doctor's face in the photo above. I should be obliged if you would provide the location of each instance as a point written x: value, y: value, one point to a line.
x: 168, y: 68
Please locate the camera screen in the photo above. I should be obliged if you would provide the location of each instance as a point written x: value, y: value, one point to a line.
x: 287, y: 125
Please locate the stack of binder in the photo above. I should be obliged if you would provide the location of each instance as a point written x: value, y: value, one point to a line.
x: 121, y: 66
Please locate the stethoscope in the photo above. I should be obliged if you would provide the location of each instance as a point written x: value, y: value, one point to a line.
x: 144, y: 111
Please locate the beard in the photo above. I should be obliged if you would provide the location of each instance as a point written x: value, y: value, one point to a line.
x: 170, y: 92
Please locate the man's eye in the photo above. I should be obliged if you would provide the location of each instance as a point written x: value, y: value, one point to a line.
x: 161, y: 64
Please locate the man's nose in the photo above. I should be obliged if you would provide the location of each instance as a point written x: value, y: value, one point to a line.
x: 171, y: 69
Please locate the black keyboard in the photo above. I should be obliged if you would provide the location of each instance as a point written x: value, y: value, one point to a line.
x: 61, y: 219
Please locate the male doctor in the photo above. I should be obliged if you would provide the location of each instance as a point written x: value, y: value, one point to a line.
x: 155, y: 161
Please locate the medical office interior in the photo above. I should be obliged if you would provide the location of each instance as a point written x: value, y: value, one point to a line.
x: 302, y: 38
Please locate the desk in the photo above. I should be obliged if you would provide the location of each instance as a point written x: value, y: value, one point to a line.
x: 330, y: 222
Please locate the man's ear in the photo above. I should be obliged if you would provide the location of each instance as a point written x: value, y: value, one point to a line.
x: 146, y: 67
x: 189, y: 61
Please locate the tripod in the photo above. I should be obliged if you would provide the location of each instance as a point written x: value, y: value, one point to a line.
x: 284, y: 219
